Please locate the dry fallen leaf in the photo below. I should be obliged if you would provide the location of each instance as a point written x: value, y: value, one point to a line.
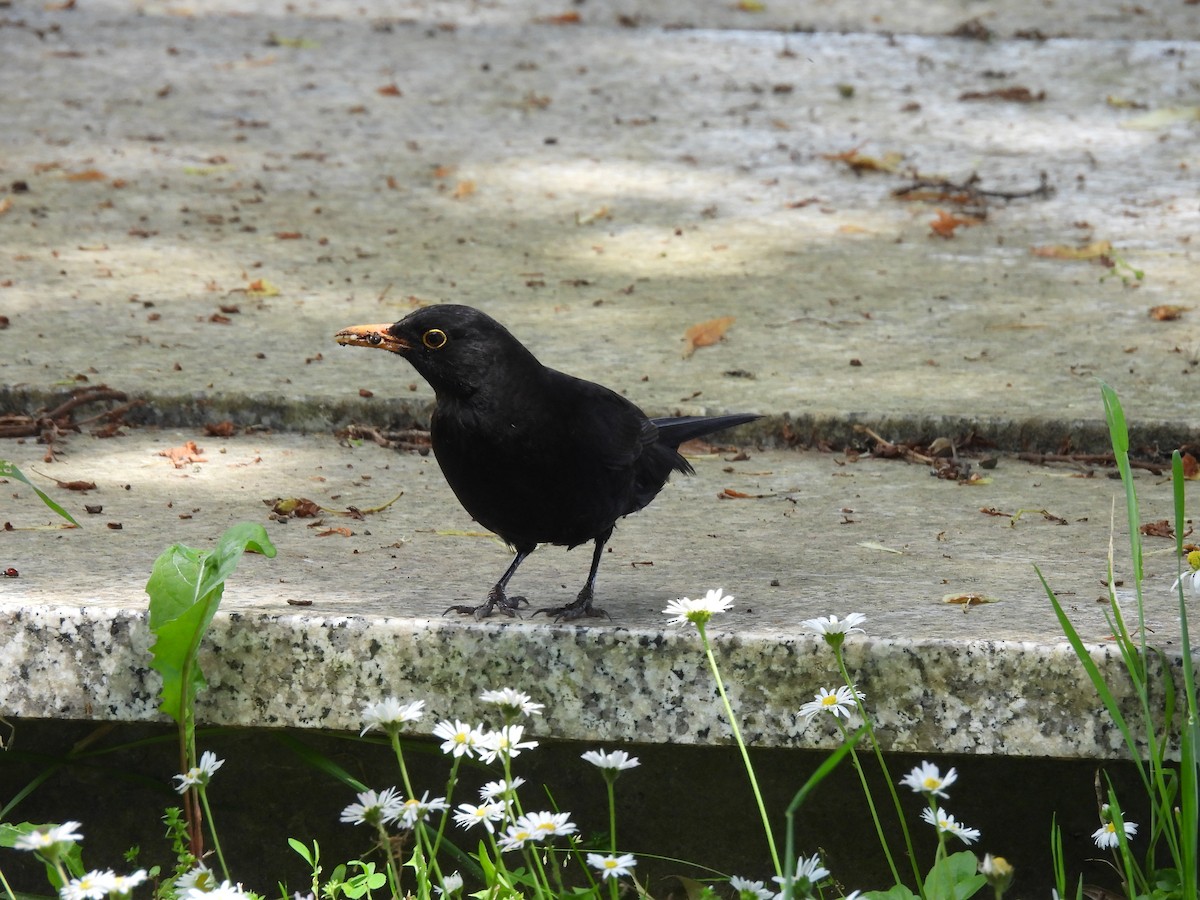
x: 70, y: 485
x: 875, y: 545
x: 1162, y: 118
x: 1161, y: 528
x: 1014, y: 94
x: 705, y: 333
x: 1094, y: 250
x: 184, y: 454
x: 294, y: 507
x: 968, y: 599
x: 567, y: 18
x: 1167, y: 312
x: 389, y: 90
x: 1191, y: 468
x: 87, y: 175
x: 343, y: 531
x: 463, y: 189
x: 859, y: 162
x: 262, y: 288
x: 602, y: 212
x: 945, y: 223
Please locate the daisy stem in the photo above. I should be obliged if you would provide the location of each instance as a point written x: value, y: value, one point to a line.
x: 212, y: 829
x: 737, y: 736
x: 393, y: 873
x: 862, y: 777
x: 63, y: 877
x: 498, y: 861
x: 541, y: 884
x: 394, y: 734
x: 612, y: 815
x: 887, y: 779
x: 610, y: 781
x: 446, y: 815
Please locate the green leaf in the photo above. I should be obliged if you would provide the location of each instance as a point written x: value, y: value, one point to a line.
x: 898, y: 892
x: 302, y: 849
x: 185, y: 589
x: 954, y: 878
x: 71, y: 855
x: 8, y: 470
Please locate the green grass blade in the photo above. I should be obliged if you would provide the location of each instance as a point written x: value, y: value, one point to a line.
x: 9, y: 470
x: 320, y: 761
x: 1093, y: 673
x: 1188, y: 817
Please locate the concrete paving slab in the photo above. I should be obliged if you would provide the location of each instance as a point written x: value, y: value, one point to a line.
x: 600, y: 190
x: 195, y: 199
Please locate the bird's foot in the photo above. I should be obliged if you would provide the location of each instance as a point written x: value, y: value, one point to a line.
x: 579, y: 609
x: 497, y: 600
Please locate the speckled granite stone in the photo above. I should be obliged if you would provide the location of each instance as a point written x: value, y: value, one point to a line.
x: 612, y: 684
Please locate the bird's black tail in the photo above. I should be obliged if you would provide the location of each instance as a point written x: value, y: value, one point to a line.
x: 674, y: 430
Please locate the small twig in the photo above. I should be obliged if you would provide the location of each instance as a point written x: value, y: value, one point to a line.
x: 86, y: 395
x: 1088, y: 459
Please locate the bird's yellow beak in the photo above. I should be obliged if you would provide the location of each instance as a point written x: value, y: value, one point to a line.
x: 372, y: 336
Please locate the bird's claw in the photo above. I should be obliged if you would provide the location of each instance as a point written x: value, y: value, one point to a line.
x: 573, y: 611
x: 495, y: 602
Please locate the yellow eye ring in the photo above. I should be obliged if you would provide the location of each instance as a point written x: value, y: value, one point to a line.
x: 435, y: 339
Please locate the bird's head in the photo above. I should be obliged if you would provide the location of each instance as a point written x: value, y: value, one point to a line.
x: 457, y: 349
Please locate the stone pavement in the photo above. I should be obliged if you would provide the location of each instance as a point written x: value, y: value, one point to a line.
x: 195, y: 197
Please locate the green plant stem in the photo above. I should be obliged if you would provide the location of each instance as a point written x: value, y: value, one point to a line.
x: 212, y: 829
x: 1189, y: 765
x: 8, y: 891
x: 394, y: 736
x: 541, y: 884
x: 610, y: 781
x: 887, y: 779
x: 451, y: 782
x: 737, y: 736
x: 393, y: 871
x: 862, y: 777
x: 612, y: 813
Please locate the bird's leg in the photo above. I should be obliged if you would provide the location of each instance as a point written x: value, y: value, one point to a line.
x: 496, y: 598
x: 583, y: 603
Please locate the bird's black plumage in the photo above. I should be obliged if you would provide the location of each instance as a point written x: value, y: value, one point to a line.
x: 533, y: 454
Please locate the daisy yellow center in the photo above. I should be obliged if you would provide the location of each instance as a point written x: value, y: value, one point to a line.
x: 931, y: 783
x: 1110, y: 828
x: 829, y: 700
x: 546, y: 826
x: 610, y: 863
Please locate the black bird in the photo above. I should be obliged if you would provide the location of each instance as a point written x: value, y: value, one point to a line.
x: 535, y: 455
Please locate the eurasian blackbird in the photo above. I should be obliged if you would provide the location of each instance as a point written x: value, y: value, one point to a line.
x: 535, y: 455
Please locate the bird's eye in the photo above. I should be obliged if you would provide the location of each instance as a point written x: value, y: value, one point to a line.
x: 374, y: 338
x: 434, y: 339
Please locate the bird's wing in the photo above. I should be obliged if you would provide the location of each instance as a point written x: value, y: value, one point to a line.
x: 603, y: 424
